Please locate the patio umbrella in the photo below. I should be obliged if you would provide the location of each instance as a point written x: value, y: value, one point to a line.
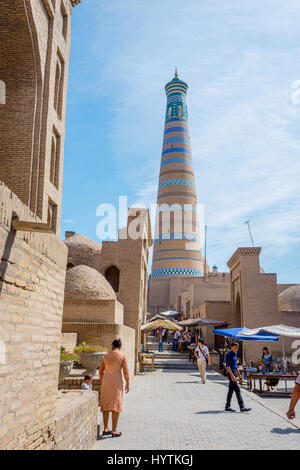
x: 201, y: 322
x: 159, y: 323
x: 170, y: 313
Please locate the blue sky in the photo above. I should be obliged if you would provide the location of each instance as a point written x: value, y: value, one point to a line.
x: 241, y: 61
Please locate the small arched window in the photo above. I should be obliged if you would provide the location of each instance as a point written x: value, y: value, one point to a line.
x: 169, y: 112
x: 112, y: 275
x: 70, y: 266
x: 179, y: 111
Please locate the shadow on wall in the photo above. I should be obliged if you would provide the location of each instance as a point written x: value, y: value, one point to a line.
x: 6, y: 255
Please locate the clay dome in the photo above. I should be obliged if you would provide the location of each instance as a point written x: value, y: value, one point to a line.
x: 85, y: 283
x: 289, y: 299
x: 82, y: 243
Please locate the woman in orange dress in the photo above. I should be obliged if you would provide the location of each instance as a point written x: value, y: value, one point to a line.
x: 110, y: 374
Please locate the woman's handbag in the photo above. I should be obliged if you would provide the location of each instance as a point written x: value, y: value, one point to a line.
x: 204, y: 355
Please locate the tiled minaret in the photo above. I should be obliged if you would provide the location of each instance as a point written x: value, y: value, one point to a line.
x: 177, y: 250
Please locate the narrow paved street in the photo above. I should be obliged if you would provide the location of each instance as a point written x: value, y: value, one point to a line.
x: 171, y: 409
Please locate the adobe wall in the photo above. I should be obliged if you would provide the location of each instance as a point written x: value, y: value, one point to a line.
x: 102, y: 311
x: 258, y: 293
x: 31, y: 302
x: 36, y: 43
x: 104, y: 334
x: 217, y: 310
x: 76, y: 420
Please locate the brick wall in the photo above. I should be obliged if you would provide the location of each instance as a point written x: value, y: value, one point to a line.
x: 76, y: 421
x: 29, y: 120
x: 32, y: 274
x: 74, y: 383
x: 102, y: 311
x: 104, y: 334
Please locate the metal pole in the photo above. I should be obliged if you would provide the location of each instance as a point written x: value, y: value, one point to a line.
x: 205, y: 237
x: 248, y: 223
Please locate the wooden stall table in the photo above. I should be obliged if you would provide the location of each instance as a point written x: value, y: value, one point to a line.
x: 147, y: 359
x: 253, y: 376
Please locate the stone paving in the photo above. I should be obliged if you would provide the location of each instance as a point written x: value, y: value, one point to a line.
x: 171, y: 409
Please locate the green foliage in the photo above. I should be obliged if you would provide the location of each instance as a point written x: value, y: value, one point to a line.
x: 68, y: 356
x: 89, y: 348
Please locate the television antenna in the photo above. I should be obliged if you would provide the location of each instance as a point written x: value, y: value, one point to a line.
x: 248, y: 223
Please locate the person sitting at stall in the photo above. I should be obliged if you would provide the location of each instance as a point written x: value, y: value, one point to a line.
x: 266, y: 362
x: 193, y: 337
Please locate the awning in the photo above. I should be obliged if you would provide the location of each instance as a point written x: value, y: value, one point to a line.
x: 201, y: 322
x: 240, y: 334
x: 167, y: 324
x: 170, y: 313
x: 280, y: 330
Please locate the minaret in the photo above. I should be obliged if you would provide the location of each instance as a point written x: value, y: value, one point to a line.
x: 177, y: 249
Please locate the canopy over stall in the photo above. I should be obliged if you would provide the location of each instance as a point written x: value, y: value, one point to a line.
x: 279, y: 330
x: 237, y: 334
x: 201, y: 322
x: 157, y: 317
x: 170, y: 313
x: 159, y: 323
x: 240, y: 335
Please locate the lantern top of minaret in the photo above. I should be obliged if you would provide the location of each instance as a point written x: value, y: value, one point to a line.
x: 176, y: 85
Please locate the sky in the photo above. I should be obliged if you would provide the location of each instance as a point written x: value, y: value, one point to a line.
x: 241, y: 61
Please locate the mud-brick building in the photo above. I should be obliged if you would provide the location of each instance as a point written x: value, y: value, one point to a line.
x: 111, y: 297
x: 35, y: 35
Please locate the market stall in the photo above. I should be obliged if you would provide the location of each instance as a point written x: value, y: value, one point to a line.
x: 282, y: 373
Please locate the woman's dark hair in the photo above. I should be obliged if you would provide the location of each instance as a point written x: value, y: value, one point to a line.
x: 117, y: 343
x: 265, y: 349
x: 88, y: 377
x: 200, y: 340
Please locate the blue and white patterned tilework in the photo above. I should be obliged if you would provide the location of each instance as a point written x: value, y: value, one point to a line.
x: 176, y: 272
x: 176, y: 161
x: 175, y: 182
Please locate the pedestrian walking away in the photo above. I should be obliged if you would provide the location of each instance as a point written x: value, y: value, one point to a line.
x: 160, y: 339
x: 110, y: 374
x: 234, y: 376
x: 175, y: 340
x: 202, y: 354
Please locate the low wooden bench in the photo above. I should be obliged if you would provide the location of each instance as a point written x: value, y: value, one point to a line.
x: 147, y: 359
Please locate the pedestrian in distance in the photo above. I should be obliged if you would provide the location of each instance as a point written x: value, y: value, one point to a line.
x: 175, y: 340
x: 160, y: 340
x: 202, y: 354
x: 234, y: 376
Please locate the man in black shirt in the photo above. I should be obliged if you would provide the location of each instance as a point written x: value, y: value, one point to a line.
x: 233, y: 376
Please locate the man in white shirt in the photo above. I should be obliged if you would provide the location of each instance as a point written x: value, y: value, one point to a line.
x: 202, y: 354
